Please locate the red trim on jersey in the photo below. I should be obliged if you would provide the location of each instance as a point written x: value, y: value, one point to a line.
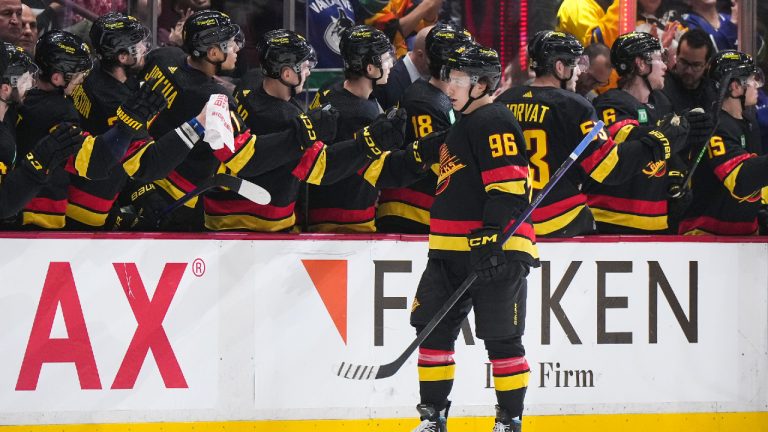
x: 505, y: 173
x: 325, y: 215
x: 717, y: 226
x: 626, y: 205
x: 134, y: 147
x: 180, y: 182
x: 92, y: 202
x: 725, y: 168
x: 307, y: 161
x: 541, y: 214
x: 409, y: 196
x: 593, y: 160
x: 525, y: 230
x: 510, y: 366
x: 616, y: 127
x: 230, y: 207
x: 47, y: 205
x: 443, y: 226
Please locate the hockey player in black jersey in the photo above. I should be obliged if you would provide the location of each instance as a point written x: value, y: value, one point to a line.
x: 727, y: 185
x: 554, y: 119
x: 406, y: 210
x: 639, y: 206
x: 350, y: 204
x: 18, y: 76
x: 482, y: 187
x: 286, y: 59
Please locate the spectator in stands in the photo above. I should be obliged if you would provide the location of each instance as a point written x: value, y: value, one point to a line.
x: 657, y: 18
x: 686, y: 85
x: 407, y: 70
x: 721, y: 27
x: 28, y: 30
x: 10, y: 21
x: 590, y: 20
x: 599, y: 72
x: 398, y: 19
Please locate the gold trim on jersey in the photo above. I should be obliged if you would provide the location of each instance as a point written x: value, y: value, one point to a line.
x: 461, y: 244
x: 247, y: 222
x: 83, y: 157
x: 86, y: 216
x: 133, y: 163
x: 373, y: 171
x: 515, y: 187
x: 648, y: 223
x: 43, y: 220
x: 317, y: 172
x: 403, y: 210
x: 242, y: 156
x: 558, y: 222
x: 175, y: 192
x: 606, y: 166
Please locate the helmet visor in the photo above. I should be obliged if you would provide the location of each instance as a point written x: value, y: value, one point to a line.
x: 757, y: 79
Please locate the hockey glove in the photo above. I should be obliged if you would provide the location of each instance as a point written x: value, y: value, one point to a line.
x: 54, y: 149
x: 667, y: 138
x: 485, y: 252
x: 316, y: 125
x: 701, y: 127
x: 426, y: 150
x: 385, y: 133
x: 136, y: 112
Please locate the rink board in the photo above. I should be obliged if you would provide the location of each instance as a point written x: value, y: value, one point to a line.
x: 244, y: 332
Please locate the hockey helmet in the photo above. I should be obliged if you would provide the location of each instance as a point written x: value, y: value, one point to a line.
x: 61, y: 51
x: 736, y: 65
x: 441, y: 41
x: 363, y: 45
x: 476, y: 61
x: 284, y: 48
x: 114, y: 33
x: 17, y: 62
x: 207, y: 28
x: 630, y: 46
x: 547, y: 47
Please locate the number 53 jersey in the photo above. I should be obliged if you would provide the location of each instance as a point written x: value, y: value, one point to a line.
x: 554, y: 121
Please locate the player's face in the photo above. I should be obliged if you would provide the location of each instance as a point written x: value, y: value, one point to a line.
x: 656, y: 77
x: 387, y: 61
x: 301, y: 78
x: 458, y: 88
x: 691, y: 65
x: 231, y: 51
x: 752, y: 84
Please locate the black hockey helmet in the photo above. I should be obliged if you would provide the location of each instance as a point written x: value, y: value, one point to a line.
x: 737, y: 65
x: 17, y: 62
x: 630, y: 46
x: 284, y: 48
x: 476, y: 61
x: 207, y: 28
x: 115, y: 32
x: 61, y: 51
x: 441, y: 41
x: 547, y: 47
x: 362, y: 45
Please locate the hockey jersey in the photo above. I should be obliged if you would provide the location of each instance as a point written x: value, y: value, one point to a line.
x: 483, y: 180
x: 406, y: 210
x: 727, y: 185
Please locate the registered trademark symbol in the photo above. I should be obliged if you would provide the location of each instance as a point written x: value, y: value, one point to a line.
x: 198, y: 267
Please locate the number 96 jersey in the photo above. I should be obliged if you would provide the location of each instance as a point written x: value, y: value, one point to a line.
x: 554, y: 121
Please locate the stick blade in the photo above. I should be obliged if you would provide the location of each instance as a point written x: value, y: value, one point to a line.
x: 248, y: 190
x: 356, y: 372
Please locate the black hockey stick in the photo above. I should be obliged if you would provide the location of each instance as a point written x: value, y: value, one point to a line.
x: 244, y: 188
x: 359, y: 372
x: 679, y: 190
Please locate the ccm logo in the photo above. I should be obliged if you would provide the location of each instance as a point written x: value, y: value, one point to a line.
x: 308, y: 124
x: 479, y: 241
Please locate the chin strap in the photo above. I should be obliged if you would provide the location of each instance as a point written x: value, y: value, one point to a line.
x: 470, y: 99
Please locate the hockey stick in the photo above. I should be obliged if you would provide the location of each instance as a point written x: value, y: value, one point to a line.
x: 244, y: 188
x: 679, y: 190
x: 359, y: 372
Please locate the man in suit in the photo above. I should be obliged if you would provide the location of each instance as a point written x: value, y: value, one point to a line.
x: 412, y: 66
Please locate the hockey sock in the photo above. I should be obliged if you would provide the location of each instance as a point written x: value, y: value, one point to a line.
x: 436, y: 370
x: 510, y: 378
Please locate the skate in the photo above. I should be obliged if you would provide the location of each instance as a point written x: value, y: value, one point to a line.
x: 504, y: 422
x: 432, y: 420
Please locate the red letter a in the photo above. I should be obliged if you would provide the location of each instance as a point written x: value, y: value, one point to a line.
x: 59, y: 288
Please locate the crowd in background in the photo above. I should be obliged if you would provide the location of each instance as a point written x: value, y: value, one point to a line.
x: 690, y: 33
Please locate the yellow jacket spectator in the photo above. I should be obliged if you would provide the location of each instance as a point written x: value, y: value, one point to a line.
x: 590, y: 20
x: 398, y: 19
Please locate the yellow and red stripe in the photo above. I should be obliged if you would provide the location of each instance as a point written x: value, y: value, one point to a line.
x: 244, y: 215
x: 633, y: 213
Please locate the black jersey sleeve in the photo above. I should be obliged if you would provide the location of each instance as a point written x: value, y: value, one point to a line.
x: 744, y: 174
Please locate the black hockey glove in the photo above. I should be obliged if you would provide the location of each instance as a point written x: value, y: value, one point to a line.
x: 426, y: 150
x: 316, y: 125
x: 701, y: 127
x: 668, y: 137
x: 385, y: 133
x: 54, y: 149
x: 485, y: 252
x: 141, y: 107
